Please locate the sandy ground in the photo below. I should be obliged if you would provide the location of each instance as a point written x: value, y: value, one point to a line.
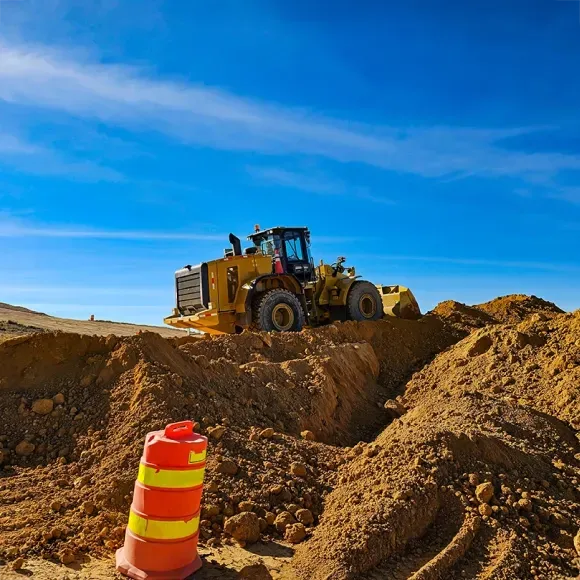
x: 26, y: 321
x: 223, y: 563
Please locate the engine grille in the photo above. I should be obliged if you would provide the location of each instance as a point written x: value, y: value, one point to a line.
x: 192, y: 290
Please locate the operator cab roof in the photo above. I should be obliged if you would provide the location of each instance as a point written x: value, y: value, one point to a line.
x: 276, y: 230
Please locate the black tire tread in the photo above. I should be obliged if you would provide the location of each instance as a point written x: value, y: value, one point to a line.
x: 358, y: 288
x: 271, y: 298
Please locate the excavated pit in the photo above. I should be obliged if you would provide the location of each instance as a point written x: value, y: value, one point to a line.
x: 486, y: 393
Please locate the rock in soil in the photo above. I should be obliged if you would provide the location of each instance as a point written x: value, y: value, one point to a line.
x: 244, y: 527
x: 42, y: 406
x: 255, y: 572
x: 295, y: 533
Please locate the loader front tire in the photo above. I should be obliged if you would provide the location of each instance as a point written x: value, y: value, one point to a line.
x: 364, y: 302
x: 277, y: 310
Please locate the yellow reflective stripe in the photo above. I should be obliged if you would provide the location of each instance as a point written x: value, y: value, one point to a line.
x: 162, y: 529
x: 173, y: 478
x: 197, y: 457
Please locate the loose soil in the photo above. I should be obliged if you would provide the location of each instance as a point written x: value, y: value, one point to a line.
x: 299, y: 432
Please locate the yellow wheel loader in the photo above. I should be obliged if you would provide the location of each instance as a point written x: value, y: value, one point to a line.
x: 273, y: 285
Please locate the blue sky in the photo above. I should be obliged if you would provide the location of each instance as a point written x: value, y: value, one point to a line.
x: 434, y: 144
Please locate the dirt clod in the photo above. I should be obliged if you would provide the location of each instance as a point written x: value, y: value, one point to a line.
x: 89, y: 507
x: 216, y: 432
x: 17, y: 564
x: 284, y: 519
x: 394, y: 408
x: 255, y: 572
x: 304, y: 516
x: 24, y: 448
x: 244, y: 527
x: 484, y: 492
x: 227, y: 467
x: 42, y: 406
x: 295, y: 533
x: 66, y: 556
x: 298, y: 469
x: 485, y: 509
x: 267, y: 433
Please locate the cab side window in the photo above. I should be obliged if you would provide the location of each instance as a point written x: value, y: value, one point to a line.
x: 269, y: 245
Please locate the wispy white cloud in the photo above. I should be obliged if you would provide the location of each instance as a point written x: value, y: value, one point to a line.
x: 11, y: 227
x: 317, y: 183
x: 294, y: 180
x: 571, y: 194
x: 33, y: 159
x: 10, y: 144
x: 362, y: 194
x: 60, y: 291
x: 52, y: 232
x: 42, y: 78
x: 549, y: 266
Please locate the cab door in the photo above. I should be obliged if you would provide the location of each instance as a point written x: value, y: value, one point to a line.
x: 296, y: 255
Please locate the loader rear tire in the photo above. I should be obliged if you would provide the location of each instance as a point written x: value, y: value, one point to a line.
x: 364, y: 302
x: 277, y: 310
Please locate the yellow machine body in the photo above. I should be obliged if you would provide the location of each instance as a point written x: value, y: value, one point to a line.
x: 230, y: 280
x: 219, y: 296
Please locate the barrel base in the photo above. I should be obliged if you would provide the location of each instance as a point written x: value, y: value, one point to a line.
x: 126, y: 568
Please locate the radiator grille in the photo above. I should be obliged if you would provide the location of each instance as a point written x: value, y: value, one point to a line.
x: 192, y: 289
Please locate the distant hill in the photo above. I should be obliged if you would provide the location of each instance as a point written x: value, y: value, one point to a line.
x: 20, y: 320
x: 5, y: 306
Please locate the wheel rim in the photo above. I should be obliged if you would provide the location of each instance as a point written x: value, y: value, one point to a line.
x: 367, y: 305
x: 283, y: 317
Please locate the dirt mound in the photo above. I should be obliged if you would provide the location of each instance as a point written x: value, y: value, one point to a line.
x: 463, y: 316
x: 486, y: 489
x: 515, y: 307
x: 535, y: 363
x: 510, y: 309
x: 492, y: 409
x: 76, y: 409
x: 278, y: 410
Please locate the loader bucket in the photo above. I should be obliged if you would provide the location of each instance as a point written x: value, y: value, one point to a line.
x: 399, y: 301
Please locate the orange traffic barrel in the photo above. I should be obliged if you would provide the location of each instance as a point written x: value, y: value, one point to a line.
x: 163, y: 529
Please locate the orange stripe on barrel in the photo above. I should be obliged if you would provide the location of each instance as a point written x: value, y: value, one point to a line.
x: 155, y: 556
x: 164, y: 502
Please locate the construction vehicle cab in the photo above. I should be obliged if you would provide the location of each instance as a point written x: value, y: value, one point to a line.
x: 274, y: 285
x: 291, y: 245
